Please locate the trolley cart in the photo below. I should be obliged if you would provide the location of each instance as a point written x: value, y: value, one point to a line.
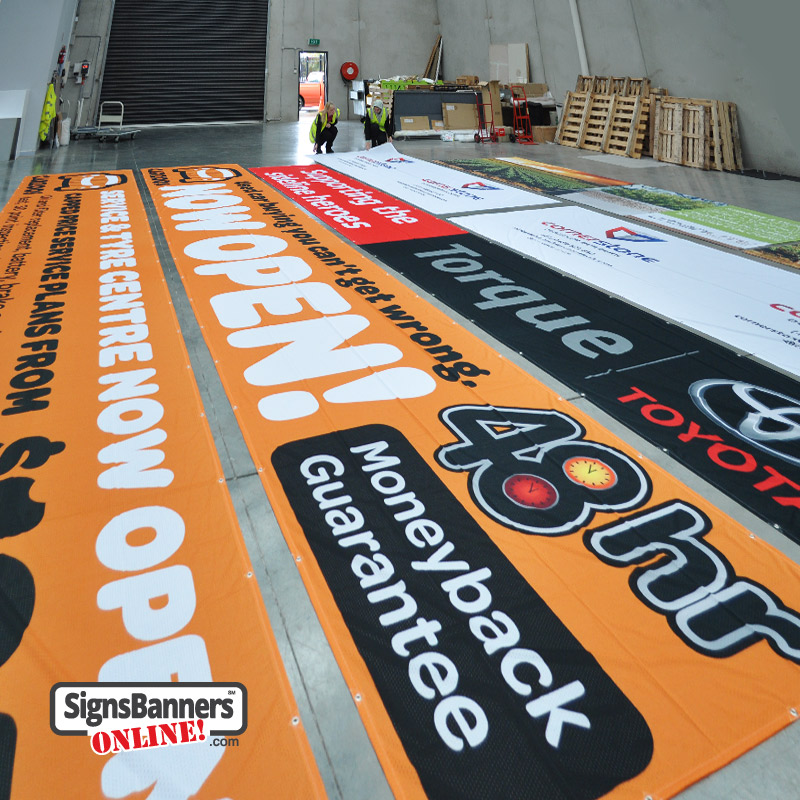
x: 522, y: 121
x: 486, y: 131
x: 109, y: 123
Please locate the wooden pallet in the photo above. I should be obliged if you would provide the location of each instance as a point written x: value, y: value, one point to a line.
x: 668, y: 142
x: 697, y: 133
x: 597, y: 117
x: 628, y: 126
x: 570, y: 128
x: 599, y: 84
x: 387, y: 95
x: 655, y: 93
x: 608, y: 123
x: 639, y: 87
x: 727, y: 148
x: 602, y: 85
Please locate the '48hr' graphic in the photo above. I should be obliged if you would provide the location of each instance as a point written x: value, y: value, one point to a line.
x: 531, y: 470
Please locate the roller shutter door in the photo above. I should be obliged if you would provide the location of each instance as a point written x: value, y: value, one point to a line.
x: 198, y: 61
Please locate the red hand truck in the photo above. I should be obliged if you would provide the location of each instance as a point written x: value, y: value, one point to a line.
x: 522, y: 132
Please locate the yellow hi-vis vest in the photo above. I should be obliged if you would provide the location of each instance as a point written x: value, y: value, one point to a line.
x: 381, y: 123
x: 312, y: 134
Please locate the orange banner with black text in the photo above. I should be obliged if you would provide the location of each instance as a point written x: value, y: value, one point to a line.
x: 121, y: 561
x: 522, y: 605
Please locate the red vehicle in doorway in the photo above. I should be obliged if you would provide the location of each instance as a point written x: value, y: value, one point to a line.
x: 312, y: 91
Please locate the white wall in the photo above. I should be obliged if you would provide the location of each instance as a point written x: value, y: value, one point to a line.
x: 739, y: 50
x: 32, y: 33
x: 89, y: 43
x: 744, y: 51
x: 383, y: 38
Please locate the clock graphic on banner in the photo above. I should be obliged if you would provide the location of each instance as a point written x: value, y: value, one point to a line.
x: 590, y: 472
x: 530, y: 491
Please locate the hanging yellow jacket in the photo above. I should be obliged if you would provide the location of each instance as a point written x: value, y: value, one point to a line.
x: 312, y: 134
x: 48, y: 112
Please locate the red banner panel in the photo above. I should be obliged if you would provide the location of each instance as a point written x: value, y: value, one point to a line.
x: 362, y: 214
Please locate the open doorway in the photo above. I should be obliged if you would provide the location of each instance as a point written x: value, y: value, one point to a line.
x: 313, y: 80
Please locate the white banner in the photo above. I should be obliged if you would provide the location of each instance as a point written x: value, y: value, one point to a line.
x: 742, y: 303
x: 432, y: 187
x: 707, y: 219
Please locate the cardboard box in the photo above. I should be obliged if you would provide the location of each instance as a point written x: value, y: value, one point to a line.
x: 414, y: 124
x: 490, y: 93
x: 534, y: 89
x: 437, y: 124
x: 460, y: 116
x: 467, y: 80
x: 544, y: 133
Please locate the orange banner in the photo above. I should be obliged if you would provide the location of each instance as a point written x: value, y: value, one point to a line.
x: 121, y: 558
x: 521, y: 603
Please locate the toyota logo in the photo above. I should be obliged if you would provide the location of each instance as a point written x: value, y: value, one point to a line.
x: 762, y: 417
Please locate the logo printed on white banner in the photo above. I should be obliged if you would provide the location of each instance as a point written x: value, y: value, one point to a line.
x: 718, y: 294
x: 431, y: 187
x: 628, y: 235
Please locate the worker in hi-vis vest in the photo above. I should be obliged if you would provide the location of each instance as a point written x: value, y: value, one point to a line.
x: 323, y: 128
x: 378, y: 126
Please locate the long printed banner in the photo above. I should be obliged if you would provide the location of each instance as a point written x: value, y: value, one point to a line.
x: 524, y: 606
x: 740, y: 302
x: 533, y: 175
x: 707, y: 219
x: 731, y: 420
x: 432, y: 187
x: 727, y: 418
x: 788, y: 254
x: 121, y: 558
x: 360, y: 213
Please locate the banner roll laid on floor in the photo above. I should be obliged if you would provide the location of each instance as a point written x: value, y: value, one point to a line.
x: 735, y: 300
x: 524, y: 606
x: 358, y: 212
x: 535, y: 176
x: 707, y: 219
x: 727, y: 418
x: 431, y: 187
x: 122, y: 560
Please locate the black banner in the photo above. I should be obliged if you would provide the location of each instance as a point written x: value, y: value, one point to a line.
x: 489, y: 692
x: 733, y: 421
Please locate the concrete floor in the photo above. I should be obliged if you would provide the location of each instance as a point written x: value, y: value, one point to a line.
x: 343, y: 752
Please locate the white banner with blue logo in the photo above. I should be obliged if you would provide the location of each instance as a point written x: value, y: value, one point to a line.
x: 747, y: 305
x: 432, y: 187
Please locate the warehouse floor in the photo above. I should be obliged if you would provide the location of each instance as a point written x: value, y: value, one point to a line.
x: 343, y: 752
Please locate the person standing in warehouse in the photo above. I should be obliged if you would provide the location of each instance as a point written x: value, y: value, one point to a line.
x: 323, y: 128
x: 378, y: 125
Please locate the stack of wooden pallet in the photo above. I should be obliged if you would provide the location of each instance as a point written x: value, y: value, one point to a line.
x: 697, y: 133
x: 378, y: 90
x: 612, y: 121
x: 627, y: 87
